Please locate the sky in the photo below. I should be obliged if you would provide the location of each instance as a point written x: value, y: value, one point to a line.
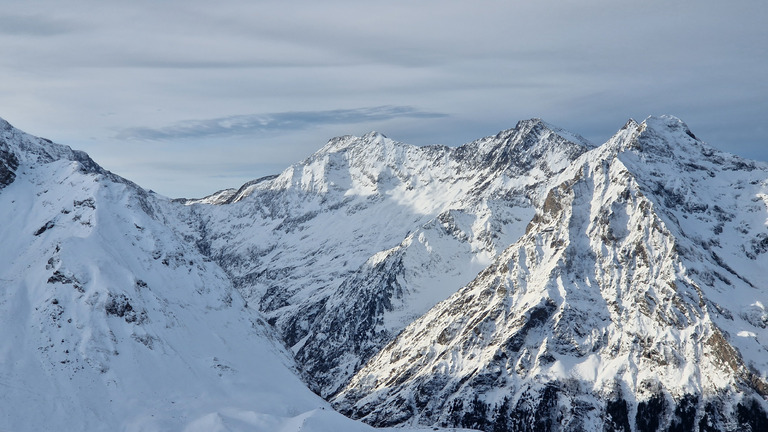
x: 190, y: 97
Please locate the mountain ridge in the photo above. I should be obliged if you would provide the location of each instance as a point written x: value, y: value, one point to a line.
x: 528, y: 280
x: 385, y: 199
x: 394, y: 388
x: 111, y: 321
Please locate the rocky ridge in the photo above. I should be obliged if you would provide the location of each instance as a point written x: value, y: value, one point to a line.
x: 620, y: 308
x: 377, y: 230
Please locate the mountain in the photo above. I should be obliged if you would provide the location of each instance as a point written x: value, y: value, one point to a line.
x: 529, y: 280
x: 377, y: 230
x: 111, y: 321
x: 633, y: 301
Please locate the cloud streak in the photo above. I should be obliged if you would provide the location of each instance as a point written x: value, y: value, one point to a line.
x: 35, y: 25
x: 262, y: 124
x: 123, y: 82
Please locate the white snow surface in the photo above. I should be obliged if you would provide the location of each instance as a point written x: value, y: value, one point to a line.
x: 111, y: 321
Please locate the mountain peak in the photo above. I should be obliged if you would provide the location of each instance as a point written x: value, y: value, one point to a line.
x: 668, y: 125
x: 345, y: 142
x: 4, y: 125
x: 630, y: 124
x: 32, y: 148
x: 534, y: 121
x: 541, y: 127
x: 374, y: 136
x: 595, y: 305
x: 664, y: 136
x: 531, y: 143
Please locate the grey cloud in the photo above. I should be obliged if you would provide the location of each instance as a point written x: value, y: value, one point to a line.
x: 255, y: 124
x: 585, y: 66
x: 34, y: 25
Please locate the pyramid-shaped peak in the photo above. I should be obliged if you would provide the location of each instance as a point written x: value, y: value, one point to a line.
x: 663, y: 136
x: 538, y: 127
x: 346, y: 142
x: 374, y: 135
x: 530, y: 122
x: 533, y: 125
x: 630, y: 124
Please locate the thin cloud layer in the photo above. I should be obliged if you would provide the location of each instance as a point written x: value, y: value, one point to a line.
x: 122, y: 81
x: 260, y: 124
x: 35, y: 25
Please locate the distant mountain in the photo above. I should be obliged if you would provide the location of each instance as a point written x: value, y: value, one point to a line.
x: 529, y: 280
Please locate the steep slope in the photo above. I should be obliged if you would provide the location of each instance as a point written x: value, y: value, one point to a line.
x: 632, y: 296
x: 376, y: 230
x: 111, y: 321
x: 634, y: 301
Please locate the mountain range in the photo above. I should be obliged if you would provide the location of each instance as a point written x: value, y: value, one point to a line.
x: 530, y: 280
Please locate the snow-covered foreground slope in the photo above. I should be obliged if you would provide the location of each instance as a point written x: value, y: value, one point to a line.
x: 634, y: 301
x: 110, y: 320
x: 342, y: 250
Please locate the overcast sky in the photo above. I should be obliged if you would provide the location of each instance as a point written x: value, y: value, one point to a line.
x: 189, y: 97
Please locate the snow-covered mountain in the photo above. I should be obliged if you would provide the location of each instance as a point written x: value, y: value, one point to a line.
x: 109, y: 320
x: 529, y: 280
x: 376, y: 230
x: 634, y: 301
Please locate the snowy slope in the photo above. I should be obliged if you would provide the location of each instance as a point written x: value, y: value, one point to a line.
x: 524, y: 281
x: 111, y: 321
x: 377, y: 230
x: 635, y: 300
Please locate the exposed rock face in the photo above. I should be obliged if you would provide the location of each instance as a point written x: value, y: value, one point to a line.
x: 619, y: 309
